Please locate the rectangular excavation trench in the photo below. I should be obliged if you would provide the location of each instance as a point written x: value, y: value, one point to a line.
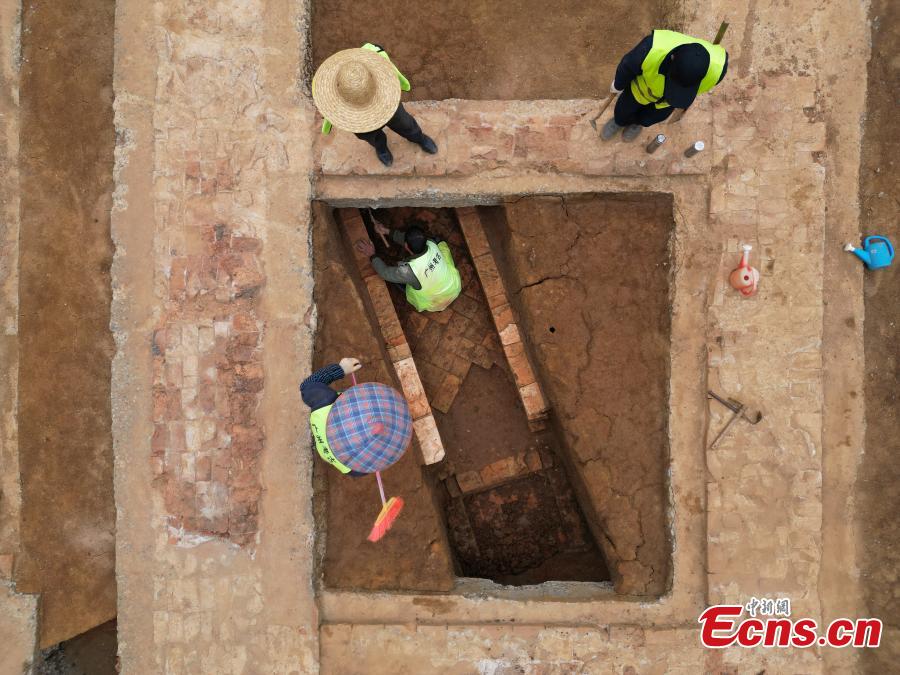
x: 495, y: 50
x: 558, y: 484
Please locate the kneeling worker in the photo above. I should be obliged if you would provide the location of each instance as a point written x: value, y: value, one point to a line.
x: 666, y: 70
x: 431, y: 279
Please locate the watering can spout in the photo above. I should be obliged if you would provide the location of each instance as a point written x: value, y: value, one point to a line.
x: 863, y: 255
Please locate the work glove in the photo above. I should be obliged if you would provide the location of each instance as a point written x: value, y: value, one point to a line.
x: 349, y: 365
x: 613, y: 90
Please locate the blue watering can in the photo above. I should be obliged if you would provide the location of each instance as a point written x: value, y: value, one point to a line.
x: 876, y: 252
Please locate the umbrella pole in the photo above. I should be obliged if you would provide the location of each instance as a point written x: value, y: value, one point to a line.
x: 380, y: 487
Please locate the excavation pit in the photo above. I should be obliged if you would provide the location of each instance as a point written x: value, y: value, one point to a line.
x: 494, y: 50
x: 511, y: 501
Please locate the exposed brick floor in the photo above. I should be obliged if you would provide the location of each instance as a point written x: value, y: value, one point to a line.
x: 207, y: 382
x: 445, y: 345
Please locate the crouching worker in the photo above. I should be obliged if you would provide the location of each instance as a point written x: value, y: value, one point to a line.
x: 430, y: 278
x: 359, y: 431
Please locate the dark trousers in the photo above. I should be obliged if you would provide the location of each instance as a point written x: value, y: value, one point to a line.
x: 629, y: 111
x: 401, y: 123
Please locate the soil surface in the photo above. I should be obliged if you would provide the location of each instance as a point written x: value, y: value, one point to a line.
x: 91, y: 653
x: 590, y: 276
x: 414, y: 555
x: 879, y: 484
x: 483, y: 49
x: 65, y: 252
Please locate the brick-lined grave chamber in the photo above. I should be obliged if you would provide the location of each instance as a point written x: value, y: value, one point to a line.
x: 507, y: 417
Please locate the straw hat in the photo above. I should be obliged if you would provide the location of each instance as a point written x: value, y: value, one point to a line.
x: 356, y: 90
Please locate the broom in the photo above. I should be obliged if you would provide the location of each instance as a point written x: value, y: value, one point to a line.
x: 390, y: 508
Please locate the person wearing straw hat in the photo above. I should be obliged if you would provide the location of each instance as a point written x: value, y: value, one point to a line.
x: 358, y: 90
x: 666, y: 70
x: 360, y: 431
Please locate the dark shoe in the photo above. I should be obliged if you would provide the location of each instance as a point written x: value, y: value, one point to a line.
x: 428, y: 145
x: 631, y: 132
x: 386, y: 157
x: 610, y: 129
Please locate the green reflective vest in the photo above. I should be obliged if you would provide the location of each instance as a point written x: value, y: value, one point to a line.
x: 404, y: 83
x: 650, y: 85
x: 438, y: 277
x: 318, y: 422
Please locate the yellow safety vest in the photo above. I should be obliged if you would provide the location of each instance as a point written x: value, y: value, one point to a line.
x: 649, y: 87
x: 404, y: 83
x: 438, y: 277
x: 318, y: 422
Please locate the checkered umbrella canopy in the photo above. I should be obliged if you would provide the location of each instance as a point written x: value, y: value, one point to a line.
x: 369, y: 427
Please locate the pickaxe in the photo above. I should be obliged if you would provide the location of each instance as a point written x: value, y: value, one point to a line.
x: 739, y: 410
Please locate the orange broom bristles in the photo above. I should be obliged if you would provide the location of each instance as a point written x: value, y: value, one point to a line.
x: 386, y: 518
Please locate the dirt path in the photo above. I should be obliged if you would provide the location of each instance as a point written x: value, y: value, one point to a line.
x: 481, y: 49
x: 591, y: 280
x: 879, y: 485
x: 67, y: 136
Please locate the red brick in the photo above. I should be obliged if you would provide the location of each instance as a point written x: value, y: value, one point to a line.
x: 534, y: 401
x: 418, y: 322
x: 430, y: 338
x: 412, y: 388
x: 203, y: 467
x: 503, y: 316
x: 429, y: 439
x: 519, y: 364
x: 447, y: 392
x: 473, y: 231
x: 400, y: 352
x: 489, y: 275
x: 510, y: 335
x: 499, y: 471
x: 466, y: 349
x: 460, y: 367
x: 160, y: 439
x: 244, y: 322
x: 457, y: 324
x: 469, y: 481
x: 177, y: 278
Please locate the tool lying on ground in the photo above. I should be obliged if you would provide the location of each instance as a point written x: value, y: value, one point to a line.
x: 390, y: 508
x: 738, y: 410
x: 609, y: 99
x: 679, y: 113
x: 745, y: 278
x: 877, y: 252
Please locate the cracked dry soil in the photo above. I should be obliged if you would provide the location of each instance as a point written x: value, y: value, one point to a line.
x: 590, y: 275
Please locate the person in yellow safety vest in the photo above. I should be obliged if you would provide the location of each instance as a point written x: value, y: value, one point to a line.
x: 320, y: 397
x: 358, y: 90
x: 430, y: 278
x: 666, y: 70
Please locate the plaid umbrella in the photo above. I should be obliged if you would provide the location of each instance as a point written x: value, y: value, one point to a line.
x: 369, y: 427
